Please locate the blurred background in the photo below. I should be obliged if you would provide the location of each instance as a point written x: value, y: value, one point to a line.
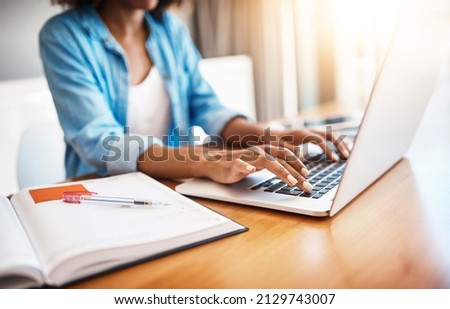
x: 303, y: 53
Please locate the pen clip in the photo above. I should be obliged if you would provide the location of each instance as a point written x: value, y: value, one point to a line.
x: 74, y: 197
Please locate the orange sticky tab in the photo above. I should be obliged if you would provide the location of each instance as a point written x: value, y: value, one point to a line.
x: 54, y: 193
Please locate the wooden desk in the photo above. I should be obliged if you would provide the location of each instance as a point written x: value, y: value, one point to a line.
x: 395, y: 235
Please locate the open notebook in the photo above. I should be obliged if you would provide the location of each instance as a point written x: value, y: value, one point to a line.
x: 45, y: 241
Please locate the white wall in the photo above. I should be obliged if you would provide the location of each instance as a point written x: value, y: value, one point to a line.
x: 20, y: 22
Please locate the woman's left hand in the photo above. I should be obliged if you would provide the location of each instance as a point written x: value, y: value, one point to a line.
x: 242, y: 134
x: 293, y: 138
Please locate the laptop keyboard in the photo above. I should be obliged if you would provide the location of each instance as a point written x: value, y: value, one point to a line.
x: 324, y: 176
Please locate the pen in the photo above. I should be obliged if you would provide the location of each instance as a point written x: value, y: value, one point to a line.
x: 90, y: 197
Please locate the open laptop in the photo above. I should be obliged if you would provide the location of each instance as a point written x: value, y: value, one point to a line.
x: 418, y: 51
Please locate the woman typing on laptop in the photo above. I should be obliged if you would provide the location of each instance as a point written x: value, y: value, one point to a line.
x: 126, y: 85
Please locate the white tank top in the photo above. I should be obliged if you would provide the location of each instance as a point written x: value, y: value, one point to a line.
x: 148, y: 111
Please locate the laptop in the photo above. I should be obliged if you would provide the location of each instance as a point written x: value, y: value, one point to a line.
x: 418, y: 51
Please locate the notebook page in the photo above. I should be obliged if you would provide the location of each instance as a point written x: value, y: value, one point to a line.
x: 19, y: 266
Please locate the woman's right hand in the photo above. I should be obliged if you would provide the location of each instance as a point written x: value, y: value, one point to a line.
x: 223, y: 166
x: 230, y: 166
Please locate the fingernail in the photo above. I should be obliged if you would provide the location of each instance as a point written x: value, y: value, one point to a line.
x: 305, y: 172
x: 308, y: 187
x: 250, y: 168
x: 335, y: 157
x: 292, y: 180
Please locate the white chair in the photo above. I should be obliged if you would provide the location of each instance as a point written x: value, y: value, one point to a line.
x: 232, y: 79
x: 41, y: 155
x: 23, y: 103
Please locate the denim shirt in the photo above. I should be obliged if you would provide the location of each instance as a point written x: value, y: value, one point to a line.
x: 87, y: 74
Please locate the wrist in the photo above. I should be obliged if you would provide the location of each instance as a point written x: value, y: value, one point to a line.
x: 199, y: 166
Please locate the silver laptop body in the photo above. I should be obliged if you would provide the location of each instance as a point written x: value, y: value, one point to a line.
x: 417, y: 53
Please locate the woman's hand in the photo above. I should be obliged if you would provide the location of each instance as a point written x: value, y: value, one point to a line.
x: 292, y: 139
x: 223, y: 165
x: 241, y: 133
x: 230, y: 166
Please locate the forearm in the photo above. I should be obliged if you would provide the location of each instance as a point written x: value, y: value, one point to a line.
x: 172, y: 163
